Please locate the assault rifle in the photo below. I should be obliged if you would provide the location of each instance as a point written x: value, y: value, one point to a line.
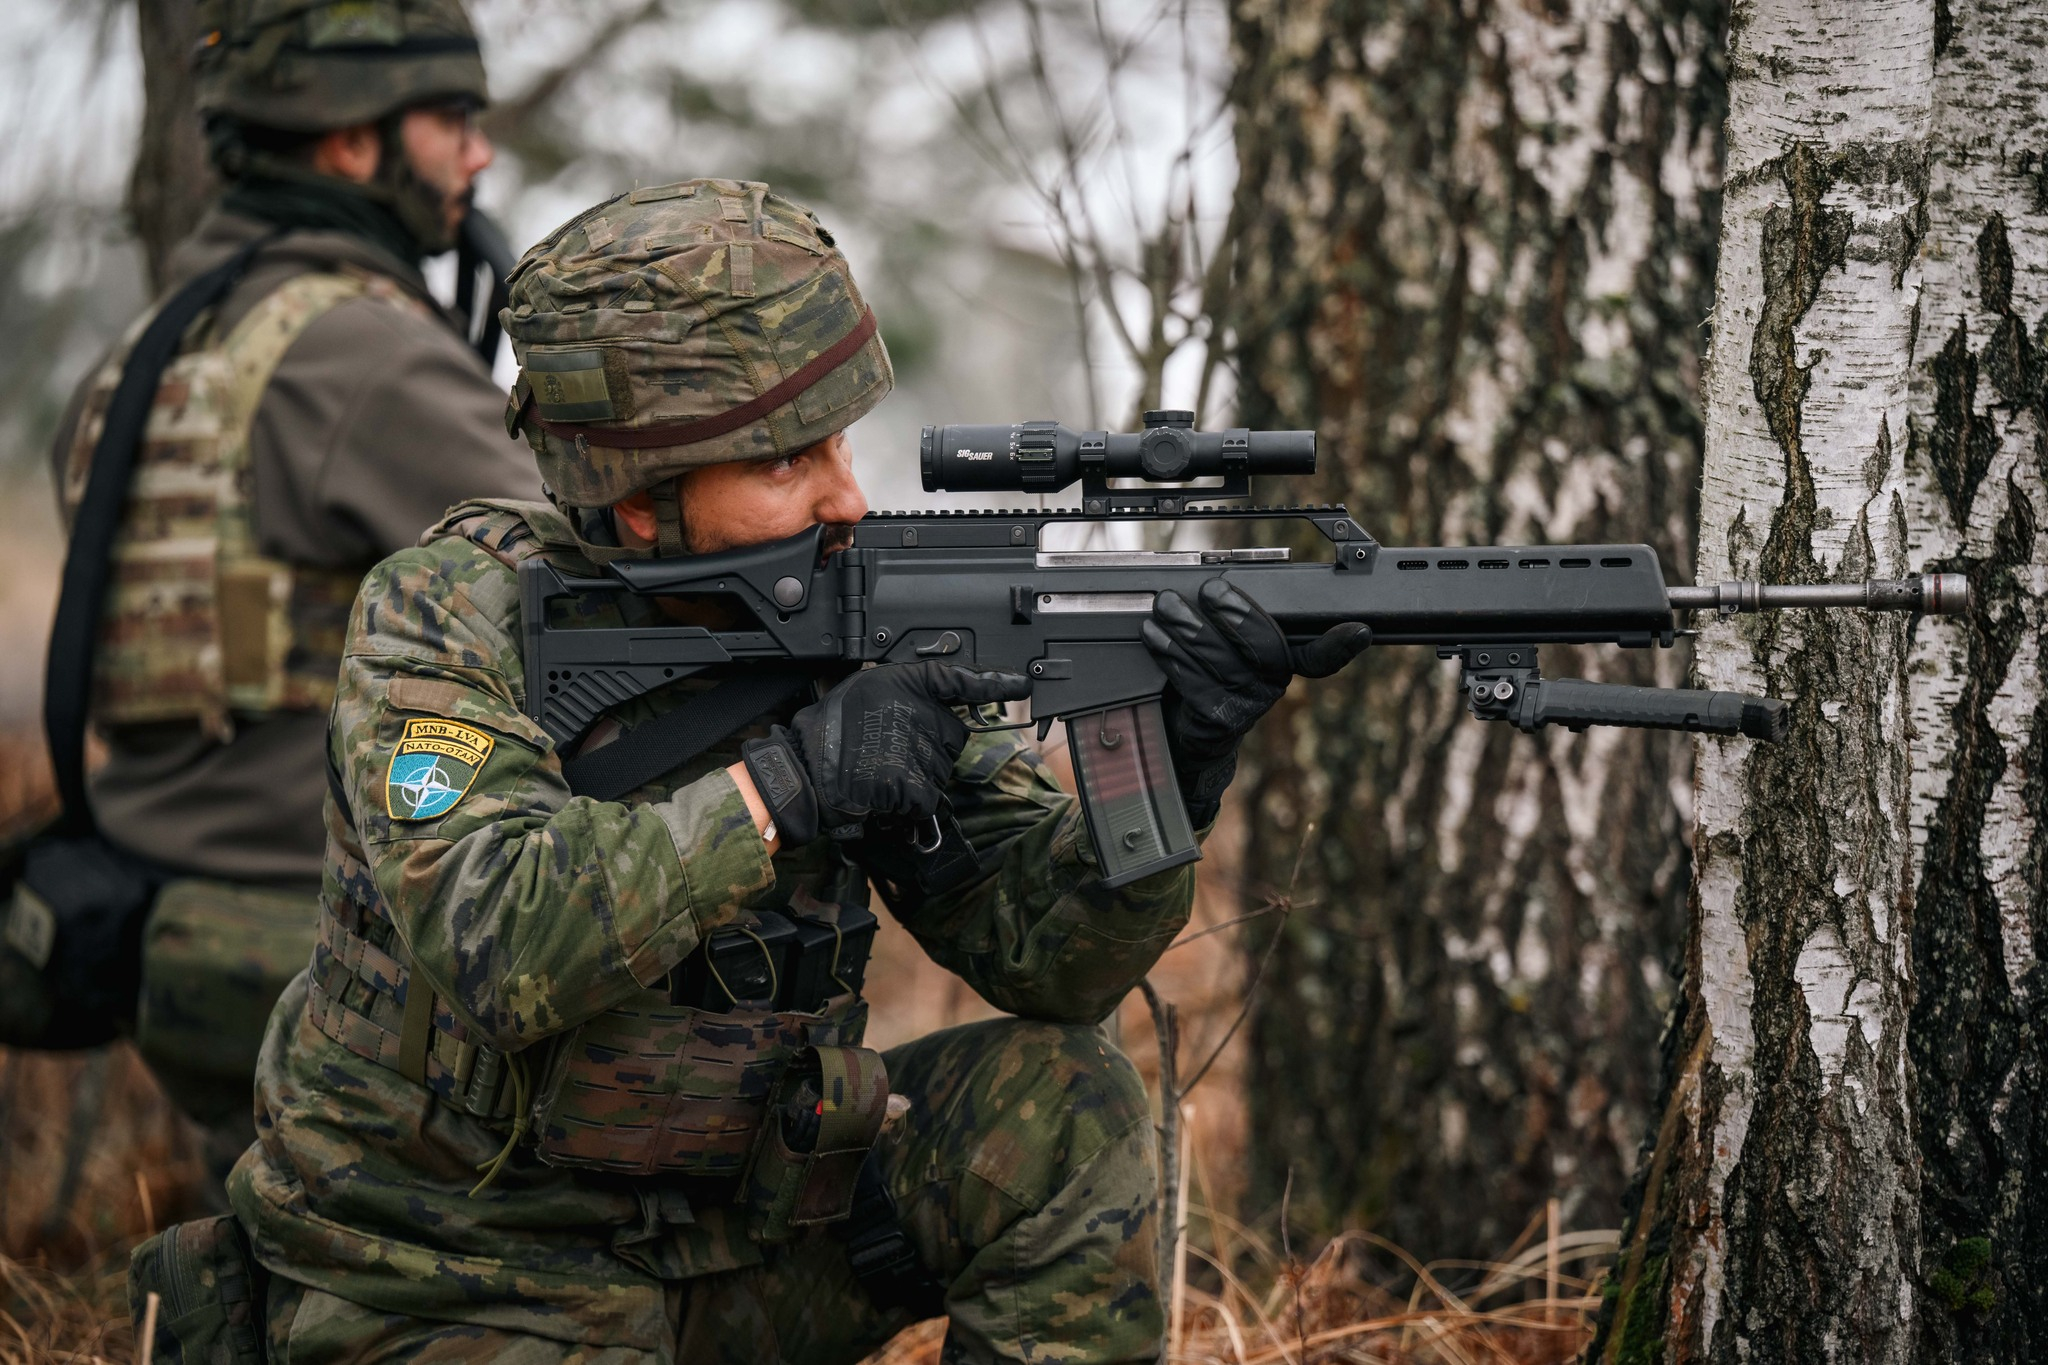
x: 975, y: 586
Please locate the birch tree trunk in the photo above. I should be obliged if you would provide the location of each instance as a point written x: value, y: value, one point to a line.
x: 1476, y: 253
x: 1977, y: 464
x: 1780, y: 1208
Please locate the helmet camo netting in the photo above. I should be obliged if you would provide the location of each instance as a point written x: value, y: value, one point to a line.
x: 684, y: 325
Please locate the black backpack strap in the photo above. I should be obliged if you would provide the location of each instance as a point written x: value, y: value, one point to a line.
x: 88, y: 566
x: 645, y: 752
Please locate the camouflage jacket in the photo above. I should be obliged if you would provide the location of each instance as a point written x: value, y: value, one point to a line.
x: 532, y: 910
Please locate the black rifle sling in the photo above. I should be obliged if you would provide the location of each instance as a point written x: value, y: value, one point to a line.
x: 480, y: 246
x: 88, y: 564
x: 645, y: 752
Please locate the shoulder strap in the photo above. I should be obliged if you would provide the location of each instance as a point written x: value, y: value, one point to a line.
x: 67, y: 677
x: 504, y: 526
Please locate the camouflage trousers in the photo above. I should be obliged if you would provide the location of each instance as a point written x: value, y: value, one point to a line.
x: 1026, y: 1175
x: 215, y: 957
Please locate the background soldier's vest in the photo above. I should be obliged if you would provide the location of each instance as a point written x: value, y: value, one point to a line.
x: 198, y: 624
x: 658, y: 1087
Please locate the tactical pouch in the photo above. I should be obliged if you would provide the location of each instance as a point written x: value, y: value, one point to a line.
x: 828, y: 1112
x: 70, y: 942
x: 215, y: 957
x: 209, y: 1292
x: 656, y: 1089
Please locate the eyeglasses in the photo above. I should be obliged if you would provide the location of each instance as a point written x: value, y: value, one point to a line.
x: 454, y: 114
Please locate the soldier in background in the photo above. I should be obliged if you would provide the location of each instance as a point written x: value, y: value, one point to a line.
x: 325, y: 413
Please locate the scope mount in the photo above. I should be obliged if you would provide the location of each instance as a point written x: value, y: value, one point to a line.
x: 1165, y: 451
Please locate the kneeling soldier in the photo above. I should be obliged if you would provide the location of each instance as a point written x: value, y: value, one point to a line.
x: 545, y: 1093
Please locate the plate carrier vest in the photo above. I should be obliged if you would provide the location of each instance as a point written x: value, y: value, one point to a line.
x: 197, y: 623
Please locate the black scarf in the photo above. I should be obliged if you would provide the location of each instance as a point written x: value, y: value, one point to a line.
x: 322, y: 204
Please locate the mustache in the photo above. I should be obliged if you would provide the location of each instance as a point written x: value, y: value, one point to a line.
x: 836, y: 538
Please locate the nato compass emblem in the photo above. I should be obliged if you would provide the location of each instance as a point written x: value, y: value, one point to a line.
x: 432, y: 768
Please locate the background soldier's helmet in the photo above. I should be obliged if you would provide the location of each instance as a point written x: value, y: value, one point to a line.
x: 310, y: 67
x: 685, y: 325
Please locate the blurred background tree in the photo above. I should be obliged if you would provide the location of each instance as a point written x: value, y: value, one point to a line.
x: 1475, y: 251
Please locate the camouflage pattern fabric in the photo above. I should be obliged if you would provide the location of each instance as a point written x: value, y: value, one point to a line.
x: 211, y: 1296
x: 215, y: 957
x: 678, y: 304
x: 530, y: 911
x: 198, y: 624
x: 1025, y: 1176
x: 310, y: 66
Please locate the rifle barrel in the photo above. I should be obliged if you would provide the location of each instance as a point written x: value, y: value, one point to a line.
x: 1935, y: 594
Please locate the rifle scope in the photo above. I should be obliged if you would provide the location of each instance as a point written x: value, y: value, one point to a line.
x: 1044, y: 457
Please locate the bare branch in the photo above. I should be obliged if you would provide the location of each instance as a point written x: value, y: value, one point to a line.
x: 506, y: 120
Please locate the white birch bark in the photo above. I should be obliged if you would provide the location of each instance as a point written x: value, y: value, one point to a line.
x: 1978, y: 494
x: 1786, y: 1166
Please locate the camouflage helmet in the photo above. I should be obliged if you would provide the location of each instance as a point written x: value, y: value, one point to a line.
x: 307, y: 66
x: 684, y: 325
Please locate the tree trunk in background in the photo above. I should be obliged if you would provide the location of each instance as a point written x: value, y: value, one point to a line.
x: 172, y: 181
x: 1476, y: 253
x: 1977, y: 463
x: 1780, y: 1215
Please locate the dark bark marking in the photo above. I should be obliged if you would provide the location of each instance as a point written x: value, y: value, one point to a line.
x: 1879, y: 462
x: 1977, y: 1040
x: 1961, y: 441
x: 2034, y: 167
x: 1802, y: 242
x: 1994, y: 266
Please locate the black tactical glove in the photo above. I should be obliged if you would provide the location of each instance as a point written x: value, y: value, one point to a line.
x: 883, y: 742
x: 1227, y: 662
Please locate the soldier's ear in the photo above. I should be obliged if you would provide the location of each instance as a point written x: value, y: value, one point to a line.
x: 349, y: 153
x: 636, y: 520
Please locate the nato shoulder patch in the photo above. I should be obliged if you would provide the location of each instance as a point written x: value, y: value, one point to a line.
x: 432, y: 768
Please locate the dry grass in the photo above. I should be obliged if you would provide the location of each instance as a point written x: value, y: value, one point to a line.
x: 48, y: 1318
x: 1366, y: 1302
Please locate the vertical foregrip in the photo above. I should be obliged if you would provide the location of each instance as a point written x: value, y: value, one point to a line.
x: 1576, y: 704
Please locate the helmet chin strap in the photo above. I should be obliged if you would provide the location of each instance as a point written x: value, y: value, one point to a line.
x: 669, y: 541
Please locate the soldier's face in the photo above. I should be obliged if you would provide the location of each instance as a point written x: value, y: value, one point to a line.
x: 729, y: 506
x: 448, y: 151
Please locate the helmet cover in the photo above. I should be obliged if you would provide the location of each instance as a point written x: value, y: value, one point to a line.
x: 309, y: 66
x: 704, y: 322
